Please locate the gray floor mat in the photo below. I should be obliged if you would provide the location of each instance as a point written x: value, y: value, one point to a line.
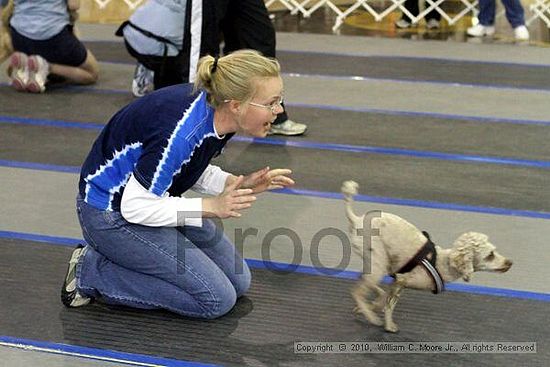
x: 280, y: 309
x: 404, y: 131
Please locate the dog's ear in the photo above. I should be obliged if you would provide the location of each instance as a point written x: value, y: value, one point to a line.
x: 462, y: 257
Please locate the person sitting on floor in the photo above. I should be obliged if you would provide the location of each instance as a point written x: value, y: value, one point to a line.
x: 44, y: 44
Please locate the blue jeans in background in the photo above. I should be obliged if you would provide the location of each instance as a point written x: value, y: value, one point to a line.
x: 193, y: 271
x: 514, y: 12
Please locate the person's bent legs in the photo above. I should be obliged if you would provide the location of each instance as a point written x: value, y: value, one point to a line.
x: 62, y: 55
x: 223, y: 253
x: 149, y: 267
x: 206, y: 297
x: 86, y: 73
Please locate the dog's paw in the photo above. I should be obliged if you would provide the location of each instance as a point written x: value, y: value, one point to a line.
x: 374, y: 320
x: 391, y: 327
x: 369, y: 315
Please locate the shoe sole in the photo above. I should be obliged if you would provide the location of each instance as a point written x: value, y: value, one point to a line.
x: 285, y: 133
x: 484, y: 34
x: 17, y: 62
x: 18, y: 85
x: 68, y: 297
x: 33, y: 86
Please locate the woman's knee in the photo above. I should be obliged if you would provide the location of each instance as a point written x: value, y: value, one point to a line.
x: 92, y: 67
x: 243, y: 279
x: 220, y: 301
x: 227, y: 298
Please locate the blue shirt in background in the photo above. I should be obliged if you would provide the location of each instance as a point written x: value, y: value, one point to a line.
x: 39, y: 19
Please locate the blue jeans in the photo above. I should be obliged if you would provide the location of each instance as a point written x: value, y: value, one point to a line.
x: 514, y: 12
x: 193, y: 271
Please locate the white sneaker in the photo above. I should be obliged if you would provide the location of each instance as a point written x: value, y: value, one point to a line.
x: 70, y: 296
x: 288, y: 128
x: 432, y: 24
x: 403, y: 24
x: 18, y: 71
x: 38, y: 74
x: 481, y: 30
x: 521, y: 33
x: 144, y: 81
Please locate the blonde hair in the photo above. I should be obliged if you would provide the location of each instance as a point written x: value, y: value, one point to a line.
x: 234, y: 76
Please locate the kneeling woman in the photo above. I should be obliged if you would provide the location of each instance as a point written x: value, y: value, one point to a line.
x: 147, y: 246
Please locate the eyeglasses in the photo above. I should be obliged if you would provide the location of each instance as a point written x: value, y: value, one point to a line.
x: 273, y: 106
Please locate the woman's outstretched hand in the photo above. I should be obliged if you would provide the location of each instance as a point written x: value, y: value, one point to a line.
x: 230, y: 202
x: 268, y: 179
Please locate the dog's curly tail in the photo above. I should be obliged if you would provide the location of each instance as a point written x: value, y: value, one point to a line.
x: 349, y: 189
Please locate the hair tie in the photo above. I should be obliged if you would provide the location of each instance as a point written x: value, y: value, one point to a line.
x: 215, y: 65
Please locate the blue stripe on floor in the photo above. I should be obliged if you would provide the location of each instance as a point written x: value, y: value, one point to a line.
x: 329, y: 195
x: 39, y: 166
x: 53, y: 123
x: 397, y: 151
x: 419, y: 203
x: 279, y: 267
x: 94, y: 353
x: 354, y: 109
x: 319, y: 146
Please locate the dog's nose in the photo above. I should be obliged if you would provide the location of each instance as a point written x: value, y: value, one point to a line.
x: 508, y: 264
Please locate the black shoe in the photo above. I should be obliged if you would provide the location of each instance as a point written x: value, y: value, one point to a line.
x: 69, y: 294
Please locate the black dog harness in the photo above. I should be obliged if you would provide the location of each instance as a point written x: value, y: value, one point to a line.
x: 422, y: 258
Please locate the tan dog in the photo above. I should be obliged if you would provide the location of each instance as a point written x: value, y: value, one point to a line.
x: 391, y: 244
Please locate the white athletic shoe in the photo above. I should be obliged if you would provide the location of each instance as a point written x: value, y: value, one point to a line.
x: 70, y: 296
x: 403, y: 24
x: 288, y: 128
x: 521, y: 33
x: 38, y: 74
x: 481, y: 30
x: 18, y: 71
x: 432, y: 24
x: 143, y: 82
